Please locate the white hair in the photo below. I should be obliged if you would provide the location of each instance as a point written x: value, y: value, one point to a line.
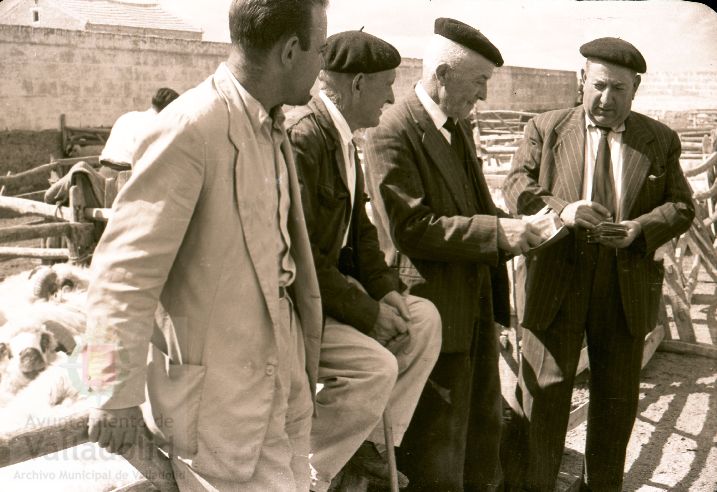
x: 332, y: 84
x: 443, y: 51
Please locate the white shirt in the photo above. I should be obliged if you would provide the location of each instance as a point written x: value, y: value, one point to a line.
x: 126, y: 135
x: 437, y: 115
x: 269, y: 136
x: 348, y: 150
x: 592, y: 140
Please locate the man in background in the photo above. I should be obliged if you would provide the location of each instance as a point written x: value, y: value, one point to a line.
x: 118, y: 153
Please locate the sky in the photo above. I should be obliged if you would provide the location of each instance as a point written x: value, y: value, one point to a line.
x: 673, y: 35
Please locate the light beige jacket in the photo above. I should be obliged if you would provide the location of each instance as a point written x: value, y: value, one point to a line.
x: 189, y: 229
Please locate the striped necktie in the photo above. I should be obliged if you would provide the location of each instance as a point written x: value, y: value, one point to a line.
x: 603, y: 179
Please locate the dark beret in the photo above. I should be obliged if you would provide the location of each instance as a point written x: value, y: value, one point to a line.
x: 359, y: 52
x: 615, y: 50
x: 469, y: 37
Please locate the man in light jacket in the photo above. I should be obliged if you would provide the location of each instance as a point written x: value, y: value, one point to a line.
x: 211, y: 226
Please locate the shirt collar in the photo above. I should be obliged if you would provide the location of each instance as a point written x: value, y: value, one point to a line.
x: 589, y: 125
x: 258, y: 116
x: 339, y: 121
x: 437, y: 115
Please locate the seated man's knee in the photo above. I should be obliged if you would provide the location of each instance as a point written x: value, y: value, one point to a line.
x: 386, y: 368
x: 425, y: 323
x: 378, y: 381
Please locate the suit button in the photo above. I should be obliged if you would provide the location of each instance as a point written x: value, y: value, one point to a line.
x: 269, y: 370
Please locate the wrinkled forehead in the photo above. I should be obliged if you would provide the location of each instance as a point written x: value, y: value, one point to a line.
x: 387, y: 76
x: 596, y: 68
x: 474, y: 64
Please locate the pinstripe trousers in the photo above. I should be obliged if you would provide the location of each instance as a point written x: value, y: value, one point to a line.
x: 592, y: 309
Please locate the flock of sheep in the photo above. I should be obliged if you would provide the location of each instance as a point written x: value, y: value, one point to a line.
x: 42, y: 321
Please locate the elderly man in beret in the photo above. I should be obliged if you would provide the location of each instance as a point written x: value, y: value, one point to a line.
x: 379, y: 345
x: 440, y: 228
x: 614, y: 178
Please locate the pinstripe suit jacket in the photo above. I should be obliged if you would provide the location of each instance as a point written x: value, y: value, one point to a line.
x: 548, y: 170
x: 432, y: 227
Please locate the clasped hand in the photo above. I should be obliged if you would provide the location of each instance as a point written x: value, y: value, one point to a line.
x: 391, y: 326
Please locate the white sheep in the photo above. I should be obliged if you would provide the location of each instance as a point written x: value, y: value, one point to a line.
x: 28, y: 349
x: 42, y: 319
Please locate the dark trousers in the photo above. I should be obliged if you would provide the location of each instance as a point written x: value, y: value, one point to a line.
x: 453, y: 441
x: 593, y: 309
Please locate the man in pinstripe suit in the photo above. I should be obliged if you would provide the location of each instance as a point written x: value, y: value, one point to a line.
x: 593, y: 163
x: 439, y: 227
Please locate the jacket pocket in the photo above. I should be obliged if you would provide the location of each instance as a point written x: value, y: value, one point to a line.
x: 174, y: 393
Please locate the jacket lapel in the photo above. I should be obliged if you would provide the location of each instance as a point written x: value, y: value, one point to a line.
x: 569, y: 152
x: 635, y: 163
x: 484, y: 196
x: 439, y: 150
x: 333, y: 140
x: 253, y: 203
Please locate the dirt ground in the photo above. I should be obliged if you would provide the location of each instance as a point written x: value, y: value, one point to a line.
x: 674, y: 441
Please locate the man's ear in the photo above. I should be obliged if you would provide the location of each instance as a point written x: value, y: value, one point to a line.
x: 357, y: 84
x: 583, y: 75
x: 442, y: 72
x: 289, y: 50
x: 636, y: 84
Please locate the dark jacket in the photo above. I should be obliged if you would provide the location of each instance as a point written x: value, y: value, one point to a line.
x: 437, y: 229
x: 326, y: 199
x: 548, y: 170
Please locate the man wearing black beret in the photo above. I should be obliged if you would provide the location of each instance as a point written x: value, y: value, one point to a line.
x: 378, y: 346
x: 595, y: 164
x: 439, y: 227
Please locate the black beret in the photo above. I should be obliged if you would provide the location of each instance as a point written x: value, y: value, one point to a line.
x: 615, y: 50
x: 359, y: 52
x: 469, y: 37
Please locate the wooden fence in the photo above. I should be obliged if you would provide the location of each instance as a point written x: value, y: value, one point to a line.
x: 76, y: 224
x: 500, y: 135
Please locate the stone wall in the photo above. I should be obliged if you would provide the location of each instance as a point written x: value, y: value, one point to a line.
x: 91, y: 77
x: 666, y: 91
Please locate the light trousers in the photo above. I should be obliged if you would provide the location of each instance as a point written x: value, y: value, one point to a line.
x: 360, y: 380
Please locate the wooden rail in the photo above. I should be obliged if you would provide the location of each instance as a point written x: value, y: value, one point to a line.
x: 27, y: 444
x: 22, y: 206
x: 32, y: 180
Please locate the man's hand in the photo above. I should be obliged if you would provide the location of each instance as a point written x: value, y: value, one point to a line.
x: 395, y: 299
x: 584, y: 213
x: 115, y: 430
x: 389, y: 325
x: 633, y: 230
x: 401, y: 342
x: 517, y: 236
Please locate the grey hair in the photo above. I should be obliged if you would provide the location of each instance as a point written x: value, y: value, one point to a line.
x: 443, y: 51
x: 330, y: 83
